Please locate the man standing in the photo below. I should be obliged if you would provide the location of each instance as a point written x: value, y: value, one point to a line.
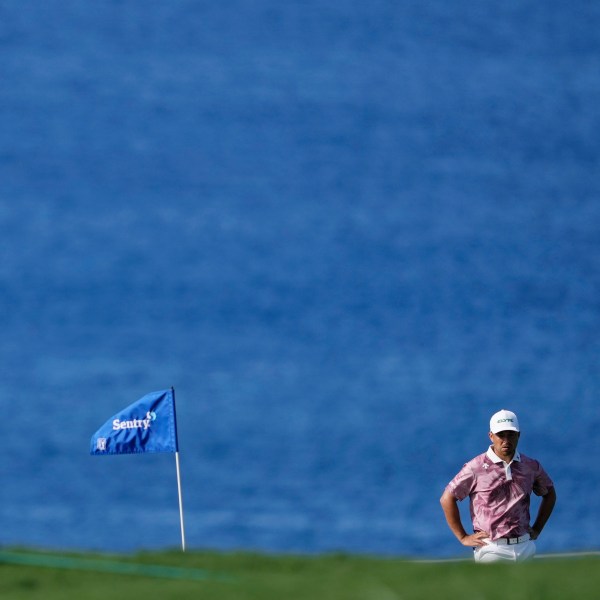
x: 499, y: 483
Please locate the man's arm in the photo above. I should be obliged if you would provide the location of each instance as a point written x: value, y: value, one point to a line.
x: 452, y: 514
x: 544, y: 512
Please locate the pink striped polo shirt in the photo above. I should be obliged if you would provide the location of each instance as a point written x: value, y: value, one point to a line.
x: 499, y: 493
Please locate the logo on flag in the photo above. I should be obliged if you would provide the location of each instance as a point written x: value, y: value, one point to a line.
x: 148, y: 425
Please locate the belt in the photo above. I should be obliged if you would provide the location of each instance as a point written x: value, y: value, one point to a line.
x: 511, y: 541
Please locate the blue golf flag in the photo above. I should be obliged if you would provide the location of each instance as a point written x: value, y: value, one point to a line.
x: 148, y: 425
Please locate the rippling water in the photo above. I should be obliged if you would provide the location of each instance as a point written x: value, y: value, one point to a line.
x: 345, y: 234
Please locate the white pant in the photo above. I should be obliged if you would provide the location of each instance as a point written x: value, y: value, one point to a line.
x: 493, y: 552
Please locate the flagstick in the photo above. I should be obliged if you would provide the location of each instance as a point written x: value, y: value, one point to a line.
x: 178, y: 473
x: 180, y: 502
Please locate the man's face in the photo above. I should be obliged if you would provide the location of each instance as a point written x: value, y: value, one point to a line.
x: 504, y: 443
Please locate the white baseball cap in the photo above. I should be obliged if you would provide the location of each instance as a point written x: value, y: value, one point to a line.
x: 504, y: 420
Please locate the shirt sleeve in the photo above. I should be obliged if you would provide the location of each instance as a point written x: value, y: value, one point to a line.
x: 542, y: 482
x: 460, y: 487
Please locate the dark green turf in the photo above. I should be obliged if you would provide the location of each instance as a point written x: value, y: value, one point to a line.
x: 245, y: 576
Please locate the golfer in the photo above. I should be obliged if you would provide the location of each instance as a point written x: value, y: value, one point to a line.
x: 499, y: 483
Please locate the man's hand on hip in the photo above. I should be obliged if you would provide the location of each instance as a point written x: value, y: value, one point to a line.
x: 475, y: 540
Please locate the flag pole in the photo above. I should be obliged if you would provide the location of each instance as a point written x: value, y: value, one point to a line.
x: 178, y: 475
x: 180, y: 502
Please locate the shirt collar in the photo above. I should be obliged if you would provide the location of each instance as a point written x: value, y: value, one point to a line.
x: 496, y: 459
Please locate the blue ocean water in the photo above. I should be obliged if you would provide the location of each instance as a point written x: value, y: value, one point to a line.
x: 346, y: 233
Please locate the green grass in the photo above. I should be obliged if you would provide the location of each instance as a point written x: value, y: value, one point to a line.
x: 246, y: 576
